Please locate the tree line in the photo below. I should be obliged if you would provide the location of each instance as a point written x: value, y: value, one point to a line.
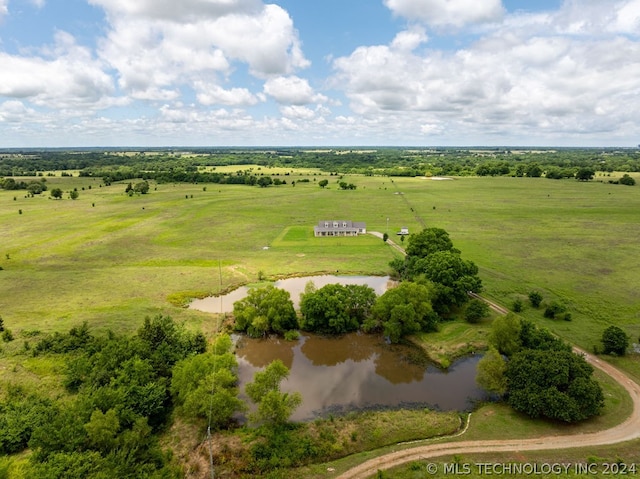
x: 187, y: 166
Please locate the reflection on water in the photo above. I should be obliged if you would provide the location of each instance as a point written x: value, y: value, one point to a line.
x: 358, y: 371
x: 295, y: 286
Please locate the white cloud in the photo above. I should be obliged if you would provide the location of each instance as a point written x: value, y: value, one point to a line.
x: 4, y: 8
x: 292, y: 90
x: 154, y: 52
x: 442, y: 13
x: 409, y: 39
x: 14, y: 111
x: 63, y: 76
x: 182, y: 11
x: 298, y: 112
x: 211, y: 94
x: 533, y: 73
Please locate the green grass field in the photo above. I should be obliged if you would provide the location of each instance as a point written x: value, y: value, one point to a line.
x: 110, y: 259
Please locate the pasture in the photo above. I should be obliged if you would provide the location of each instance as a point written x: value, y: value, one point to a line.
x: 111, y: 259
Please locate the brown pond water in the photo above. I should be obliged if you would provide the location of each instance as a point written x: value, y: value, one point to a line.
x: 295, y: 286
x: 359, y: 371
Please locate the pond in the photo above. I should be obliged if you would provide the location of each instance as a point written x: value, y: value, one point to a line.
x: 359, y: 371
x: 295, y: 286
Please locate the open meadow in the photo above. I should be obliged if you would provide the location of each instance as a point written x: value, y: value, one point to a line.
x: 111, y: 259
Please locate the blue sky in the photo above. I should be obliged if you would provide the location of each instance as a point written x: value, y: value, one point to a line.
x: 319, y: 73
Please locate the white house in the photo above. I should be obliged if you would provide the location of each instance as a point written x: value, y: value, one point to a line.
x: 339, y: 228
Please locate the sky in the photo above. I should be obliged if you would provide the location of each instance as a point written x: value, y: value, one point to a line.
x: 76, y: 73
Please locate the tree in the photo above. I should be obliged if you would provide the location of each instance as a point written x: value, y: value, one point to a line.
x: 554, y: 310
x: 429, y: 241
x: 535, y: 298
x: 553, y: 384
x: 533, y: 170
x: 274, y: 407
x: 627, y: 180
x: 264, y: 181
x: 141, y: 187
x: 403, y: 310
x: 385, y: 237
x: 533, y: 337
x: 265, y: 310
x: 505, y: 334
x: 323, y: 183
x: 36, y: 187
x: 56, y: 193
x: 102, y: 430
x: 475, y: 311
x: 585, y: 174
x: 204, y: 385
x: 453, y: 278
x: 615, y: 341
x: 73, y: 194
x: 491, y: 372
x: 336, y: 308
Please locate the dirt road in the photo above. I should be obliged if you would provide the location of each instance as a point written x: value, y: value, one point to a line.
x: 628, y: 430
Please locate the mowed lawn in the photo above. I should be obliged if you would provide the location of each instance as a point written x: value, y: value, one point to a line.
x: 111, y: 259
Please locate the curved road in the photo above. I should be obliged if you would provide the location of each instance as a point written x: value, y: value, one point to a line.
x: 626, y: 431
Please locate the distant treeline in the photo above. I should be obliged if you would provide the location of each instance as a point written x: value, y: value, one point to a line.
x: 195, y: 165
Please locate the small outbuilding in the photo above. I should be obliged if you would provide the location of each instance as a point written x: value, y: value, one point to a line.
x: 403, y: 231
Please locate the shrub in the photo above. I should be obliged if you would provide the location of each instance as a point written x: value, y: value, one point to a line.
x: 535, y: 298
x: 554, y: 310
x: 518, y: 305
x: 627, y: 180
x: 615, y: 341
x: 476, y: 310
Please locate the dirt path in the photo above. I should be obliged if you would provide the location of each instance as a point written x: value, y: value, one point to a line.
x: 389, y: 241
x: 628, y: 430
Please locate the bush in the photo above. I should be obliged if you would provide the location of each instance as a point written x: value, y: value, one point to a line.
x: 518, y: 305
x: 555, y: 310
x: 615, y: 341
x: 627, y: 180
x: 535, y: 298
x: 476, y: 310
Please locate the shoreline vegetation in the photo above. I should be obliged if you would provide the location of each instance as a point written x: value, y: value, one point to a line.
x: 558, y: 222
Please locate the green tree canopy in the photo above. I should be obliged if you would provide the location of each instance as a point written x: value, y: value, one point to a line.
x: 505, y: 334
x: 476, y: 310
x: 491, y: 372
x: 553, y: 384
x: 585, y: 174
x: 453, y: 278
x: 403, y: 310
x: 204, y: 386
x: 274, y: 406
x: 615, y: 341
x: 429, y: 241
x: 56, y: 193
x: 336, y: 308
x: 265, y: 310
x: 627, y: 180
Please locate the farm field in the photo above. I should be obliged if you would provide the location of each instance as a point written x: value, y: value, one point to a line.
x: 107, y: 258
x: 111, y: 259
